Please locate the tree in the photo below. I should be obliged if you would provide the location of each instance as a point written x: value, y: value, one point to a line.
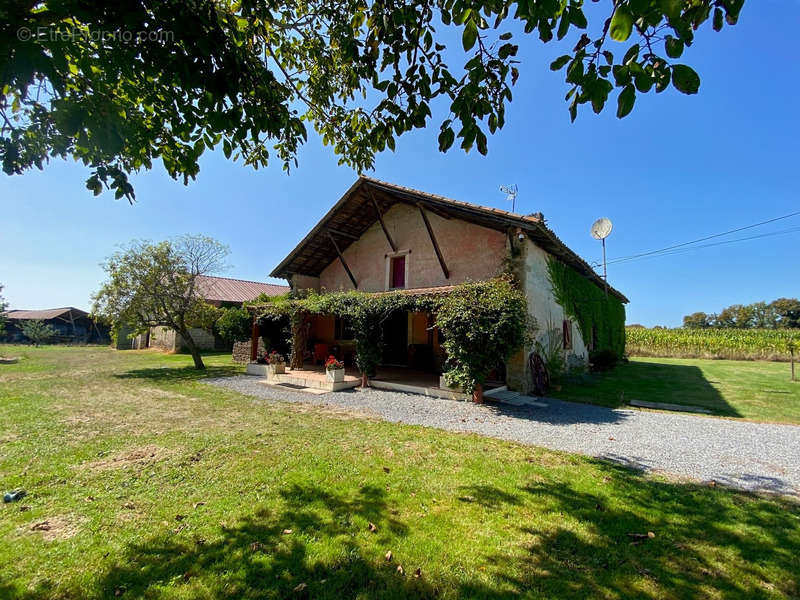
x: 787, y: 311
x: 37, y: 331
x: 3, y: 307
x: 739, y: 316
x: 698, y: 320
x: 234, y: 325
x: 153, y: 284
x: 119, y: 85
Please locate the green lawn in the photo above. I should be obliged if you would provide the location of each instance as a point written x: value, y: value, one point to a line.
x: 733, y: 388
x: 144, y: 482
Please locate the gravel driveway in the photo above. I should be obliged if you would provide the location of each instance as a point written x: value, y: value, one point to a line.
x: 754, y: 456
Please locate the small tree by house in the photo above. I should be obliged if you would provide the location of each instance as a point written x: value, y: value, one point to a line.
x: 3, y: 306
x: 37, y: 331
x: 155, y: 284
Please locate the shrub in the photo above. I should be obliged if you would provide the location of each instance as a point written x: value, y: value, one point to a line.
x: 483, y: 325
x: 603, y: 360
x: 234, y: 324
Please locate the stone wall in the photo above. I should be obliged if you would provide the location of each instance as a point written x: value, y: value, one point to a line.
x: 241, y: 351
x: 548, y: 313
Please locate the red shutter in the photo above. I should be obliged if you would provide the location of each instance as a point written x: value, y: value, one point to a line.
x: 399, y: 272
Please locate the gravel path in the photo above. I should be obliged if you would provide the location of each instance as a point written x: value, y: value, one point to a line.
x: 754, y: 456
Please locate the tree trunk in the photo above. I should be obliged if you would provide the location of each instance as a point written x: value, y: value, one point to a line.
x: 193, y: 349
x: 364, y: 380
x: 299, y: 339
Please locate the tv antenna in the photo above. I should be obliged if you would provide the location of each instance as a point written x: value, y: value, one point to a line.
x: 511, y: 194
x: 601, y: 229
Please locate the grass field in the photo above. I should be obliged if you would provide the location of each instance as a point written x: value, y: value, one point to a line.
x: 757, y: 390
x: 143, y: 482
x: 730, y: 344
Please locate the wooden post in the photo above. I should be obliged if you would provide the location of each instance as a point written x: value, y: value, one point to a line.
x: 254, y: 340
x: 477, y: 394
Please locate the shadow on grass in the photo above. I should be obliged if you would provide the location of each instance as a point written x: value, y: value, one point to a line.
x: 266, y: 554
x: 179, y: 374
x: 651, y: 382
x: 708, y: 542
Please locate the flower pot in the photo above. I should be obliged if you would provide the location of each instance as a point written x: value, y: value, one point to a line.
x: 277, y: 369
x: 334, y: 375
x: 256, y: 369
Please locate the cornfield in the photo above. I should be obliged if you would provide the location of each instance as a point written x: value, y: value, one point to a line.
x: 733, y: 344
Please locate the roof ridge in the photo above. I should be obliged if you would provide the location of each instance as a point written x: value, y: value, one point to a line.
x: 448, y: 199
x: 243, y: 280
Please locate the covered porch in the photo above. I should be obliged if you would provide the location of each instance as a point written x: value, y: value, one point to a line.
x: 313, y: 379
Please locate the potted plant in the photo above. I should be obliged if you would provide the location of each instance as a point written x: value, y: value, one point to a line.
x: 276, y: 364
x: 334, y: 369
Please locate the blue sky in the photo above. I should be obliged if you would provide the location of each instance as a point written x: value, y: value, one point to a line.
x: 676, y: 169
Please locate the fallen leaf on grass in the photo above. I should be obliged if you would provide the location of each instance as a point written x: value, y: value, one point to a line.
x: 180, y: 517
x: 418, y: 573
x: 386, y: 470
x: 388, y: 555
x: 196, y: 504
x: 300, y: 588
x: 287, y: 532
x: 401, y: 570
x: 41, y: 526
x: 373, y: 528
x: 129, y: 505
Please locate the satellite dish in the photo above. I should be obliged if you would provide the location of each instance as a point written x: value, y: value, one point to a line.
x: 601, y: 228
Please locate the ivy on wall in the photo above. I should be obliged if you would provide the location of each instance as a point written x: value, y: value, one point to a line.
x: 483, y: 323
x: 599, y: 317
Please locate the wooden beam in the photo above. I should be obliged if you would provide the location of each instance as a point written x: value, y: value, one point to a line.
x: 343, y: 234
x: 433, y: 240
x: 341, y: 258
x: 380, y: 220
x: 254, y: 340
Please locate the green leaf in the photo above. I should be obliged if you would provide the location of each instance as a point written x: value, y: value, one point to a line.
x: 621, y: 24
x: 469, y: 36
x: 718, y: 19
x: 673, y: 46
x: 625, y: 101
x: 643, y: 82
x: 671, y: 8
x: 685, y: 79
x: 446, y: 139
x: 560, y: 62
x: 575, y: 71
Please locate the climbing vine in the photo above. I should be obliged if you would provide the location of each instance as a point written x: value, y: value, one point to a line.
x: 483, y: 323
x: 600, y: 317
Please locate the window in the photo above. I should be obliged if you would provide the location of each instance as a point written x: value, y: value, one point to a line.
x: 567, y: 334
x: 397, y: 272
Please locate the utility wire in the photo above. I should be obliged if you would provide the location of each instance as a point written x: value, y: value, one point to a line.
x: 702, y: 239
x: 683, y: 250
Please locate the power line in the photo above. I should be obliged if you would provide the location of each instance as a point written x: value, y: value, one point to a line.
x: 689, y: 249
x: 702, y: 239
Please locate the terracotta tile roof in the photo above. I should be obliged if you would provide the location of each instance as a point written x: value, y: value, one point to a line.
x: 224, y: 289
x: 442, y: 289
x: 44, y: 314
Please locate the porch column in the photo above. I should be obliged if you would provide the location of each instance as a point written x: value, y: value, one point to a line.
x: 254, y: 340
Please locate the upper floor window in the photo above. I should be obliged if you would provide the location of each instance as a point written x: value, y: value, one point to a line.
x: 397, y: 272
